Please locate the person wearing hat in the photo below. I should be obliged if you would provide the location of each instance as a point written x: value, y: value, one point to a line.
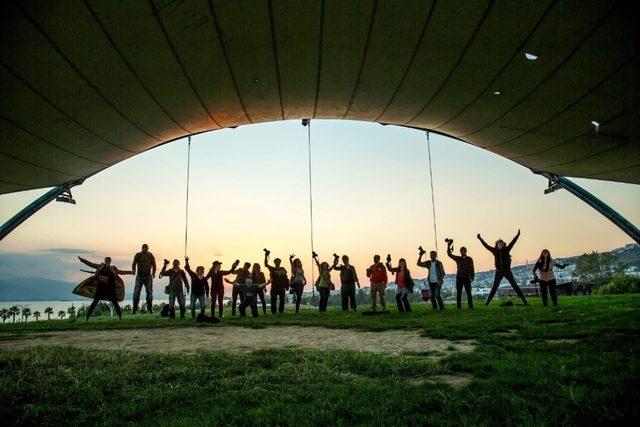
x: 216, y: 274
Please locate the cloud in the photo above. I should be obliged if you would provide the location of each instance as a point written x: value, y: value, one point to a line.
x: 68, y: 251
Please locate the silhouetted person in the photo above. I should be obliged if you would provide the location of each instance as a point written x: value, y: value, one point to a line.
x: 250, y: 291
x: 177, y: 279
x: 547, y: 278
x: 144, y: 267
x: 279, y: 283
x: 435, y: 277
x: 243, y: 276
x: 323, y: 282
x: 502, y: 255
x: 217, y: 286
x: 199, y: 288
x: 107, y: 275
x: 348, y: 282
x: 298, y: 281
x: 377, y: 275
x: 257, y: 278
x: 404, y: 283
x: 465, y: 274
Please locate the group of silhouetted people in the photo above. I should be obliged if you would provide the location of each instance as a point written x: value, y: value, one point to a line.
x: 249, y: 283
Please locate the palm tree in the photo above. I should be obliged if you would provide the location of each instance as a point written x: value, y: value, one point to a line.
x: 4, y: 313
x: 37, y: 315
x: 26, y: 313
x: 49, y: 312
x: 14, y: 310
x: 61, y: 314
x: 71, y: 311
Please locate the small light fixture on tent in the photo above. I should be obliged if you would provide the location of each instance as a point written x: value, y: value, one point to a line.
x: 530, y: 56
x: 305, y: 122
x: 596, y: 126
x: 66, y: 197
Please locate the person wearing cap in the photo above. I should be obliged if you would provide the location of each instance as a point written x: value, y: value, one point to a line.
x: 216, y: 274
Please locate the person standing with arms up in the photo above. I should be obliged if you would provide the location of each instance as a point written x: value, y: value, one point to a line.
x: 177, y: 279
x: 298, y: 281
x: 106, y: 275
x: 547, y: 278
x: 217, y: 286
x: 465, y: 273
x: 257, y: 278
x: 199, y: 287
x: 404, y: 284
x: 348, y: 282
x: 502, y: 256
x: 435, y: 277
x: 377, y: 275
x: 279, y: 282
x: 250, y: 291
x: 323, y: 282
x: 144, y: 267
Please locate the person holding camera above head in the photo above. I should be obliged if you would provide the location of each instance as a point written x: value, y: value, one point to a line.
x: 502, y: 255
x: 323, y: 282
x: 348, y: 282
x: 217, y: 286
x: 465, y: 273
x: 144, y: 267
x: 243, y: 276
x: 377, y: 275
x: 257, y: 277
x: 435, y: 277
x: 250, y: 290
x: 298, y: 281
x: 199, y: 287
x: 404, y: 283
x: 177, y: 279
x: 547, y: 278
x: 279, y: 282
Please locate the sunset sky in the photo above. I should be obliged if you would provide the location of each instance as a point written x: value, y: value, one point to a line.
x: 249, y: 190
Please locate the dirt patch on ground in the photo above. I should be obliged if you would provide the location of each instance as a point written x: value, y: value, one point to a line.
x: 454, y: 381
x: 504, y: 332
x: 562, y: 341
x: 237, y: 339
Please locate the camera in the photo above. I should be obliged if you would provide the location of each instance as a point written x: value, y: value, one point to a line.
x: 336, y: 256
x: 388, y: 257
x: 266, y: 251
x: 166, y: 261
x: 449, y: 241
x: 422, y: 251
x: 314, y: 254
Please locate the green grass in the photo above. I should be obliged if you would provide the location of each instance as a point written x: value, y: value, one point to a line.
x: 520, y: 373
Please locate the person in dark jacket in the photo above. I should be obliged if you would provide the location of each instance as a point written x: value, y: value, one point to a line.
x: 177, y: 279
x: 199, y: 288
x: 435, y: 277
x: 107, y: 276
x: 279, y: 283
x: 348, y: 282
x: 257, y: 278
x: 217, y: 286
x: 465, y: 273
x: 502, y: 255
x: 144, y: 267
x: 243, y: 276
x: 404, y: 283
x: 249, y: 292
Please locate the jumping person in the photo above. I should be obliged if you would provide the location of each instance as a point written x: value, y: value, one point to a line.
x: 348, y: 282
x: 547, y: 278
x: 177, y: 279
x: 279, y: 282
x: 257, y: 278
x: 435, y: 277
x: 107, y: 276
x: 404, y: 283
x: 249, y: 290
x: 323, y: 282
x: 501, y: 253
x: 199, y: 287
x: 298, y: 281
x: 465, y: 273
x: 217, y: 285
x: 243, y: 276
x: 144, y: 267
x: 377, y: 275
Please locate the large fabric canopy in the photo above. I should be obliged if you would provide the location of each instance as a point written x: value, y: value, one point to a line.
x: 86, y: 84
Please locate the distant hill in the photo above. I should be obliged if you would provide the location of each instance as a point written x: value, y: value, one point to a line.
x: 35, y: 289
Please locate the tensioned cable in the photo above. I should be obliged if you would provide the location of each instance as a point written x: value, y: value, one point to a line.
x: 186, y: 208
x: 433, y: 201
x: 307, y: 123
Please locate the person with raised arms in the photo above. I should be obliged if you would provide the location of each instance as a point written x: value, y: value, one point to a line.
x: 323, y: 283
x: 243, y: 276
x: 298, y: 281
x: 175, y: 290
x: 199, y: 287
x: 465, y: 273
x: 348, y: 281
x: 257, y: 277
x: 106, y: 276
x: 279, y: 283
x: 216, y: 274
x: 435, y: 277
x: 377, y: 275
x: 404, y: 283
x: 502, y: 257
x: 249, y: 291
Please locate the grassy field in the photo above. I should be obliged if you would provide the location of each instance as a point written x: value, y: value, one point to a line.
x: 579, y: 364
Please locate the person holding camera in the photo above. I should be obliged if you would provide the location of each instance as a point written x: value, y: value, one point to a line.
x: 348, y: 282
x: 279, y: 282
x: 465, y: 273
x: 177, y: 279
x: 404, y: 283
x: 323, y: 282
x: 199, y: 287
x: 502, y: 256
x: 217, y: 286
x: 546, y: 279
x: 257, y: 277
x: 298, y: 281
x: 435, y: 277
x: 377, y: 275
